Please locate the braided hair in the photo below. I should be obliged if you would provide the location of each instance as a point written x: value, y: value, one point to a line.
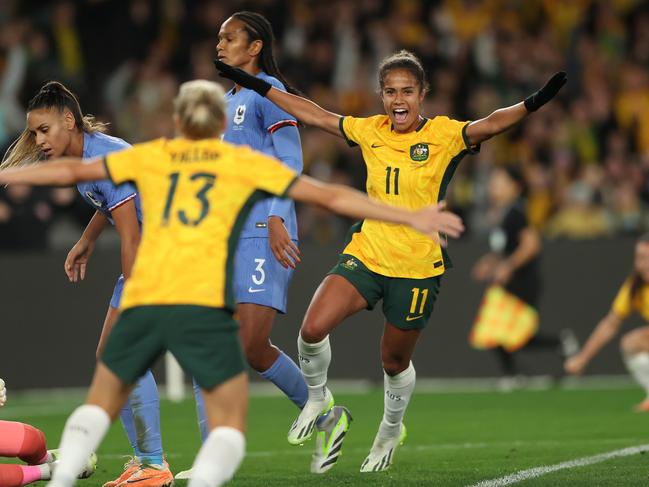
x: 258, y: 28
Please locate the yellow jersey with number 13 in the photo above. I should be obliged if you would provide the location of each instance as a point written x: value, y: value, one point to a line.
x: 195, y: 198
x: 410, y: 170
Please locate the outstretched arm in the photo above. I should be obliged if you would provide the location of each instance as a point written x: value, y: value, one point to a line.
x: 606, y: 329
x: 303, y: 109
x: 354, y: 204
x: 504, y: 118
x: 60, y: 172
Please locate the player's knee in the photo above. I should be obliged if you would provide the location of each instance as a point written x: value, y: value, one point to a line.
x: 394, y: 364
x: 635, y: 341
x: 312, y: 331
x: 34, y: 446
x: 259, y: 351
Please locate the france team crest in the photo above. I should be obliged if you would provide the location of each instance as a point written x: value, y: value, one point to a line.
x: 239, y: 114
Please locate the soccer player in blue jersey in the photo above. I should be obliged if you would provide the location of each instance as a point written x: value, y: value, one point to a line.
x: 267, y: 252
x: 56, y: 127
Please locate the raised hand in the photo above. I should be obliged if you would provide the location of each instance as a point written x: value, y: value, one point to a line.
x: 538, y: 99
x: 240, y: 77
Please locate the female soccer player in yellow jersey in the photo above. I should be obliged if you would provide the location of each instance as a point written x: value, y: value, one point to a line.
x: 196, y: 191
x: 632, y: 296
x: 410, y: 160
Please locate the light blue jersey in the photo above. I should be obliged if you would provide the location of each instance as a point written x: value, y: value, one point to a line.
x: 102, y: 195
x: 260, y: 124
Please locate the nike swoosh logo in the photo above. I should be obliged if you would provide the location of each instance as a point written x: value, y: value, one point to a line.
x: 412, y: 318
x: 251, y: 290
x: 374, y: 146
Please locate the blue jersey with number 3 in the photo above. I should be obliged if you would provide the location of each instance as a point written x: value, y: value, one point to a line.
x: 257, y: 122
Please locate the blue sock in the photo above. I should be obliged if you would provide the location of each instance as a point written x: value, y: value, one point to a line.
x: 286, y: 375
x: 141, y: 420
x: 200, y: 412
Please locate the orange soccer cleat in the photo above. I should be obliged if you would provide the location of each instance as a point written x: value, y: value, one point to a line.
x: 130, y: 468
x: 147, y: 475
x: 643, y: 407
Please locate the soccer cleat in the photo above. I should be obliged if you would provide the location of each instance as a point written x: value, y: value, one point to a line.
x: 184, y: 475
x: 382, y: 452
x: 130, y: 467
x: 88, y: 469
x: 329, y: 439
x: 302, y: 428
x: 148, y: 475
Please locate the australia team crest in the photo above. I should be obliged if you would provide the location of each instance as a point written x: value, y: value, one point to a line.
x: 419, y: 152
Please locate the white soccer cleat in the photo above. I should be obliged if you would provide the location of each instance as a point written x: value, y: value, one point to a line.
x: 3, y: 393
x: 302, y: 428
x: 184, y: 475
x: 382, y: 452
x: 329, y: 439
x: 89, y: 468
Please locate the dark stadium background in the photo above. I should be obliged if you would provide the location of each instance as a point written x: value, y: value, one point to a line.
x: 585, y: 155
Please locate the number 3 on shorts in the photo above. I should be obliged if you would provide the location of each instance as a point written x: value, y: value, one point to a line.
x: 262, y: 274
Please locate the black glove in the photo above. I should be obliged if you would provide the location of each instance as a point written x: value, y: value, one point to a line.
x: 240, y: 77
x: 545, y: 94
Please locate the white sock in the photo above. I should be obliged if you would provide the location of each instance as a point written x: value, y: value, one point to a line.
x: 46, y: 471
x: 219, y: 457
x: 314, y: 363
x: 638, y: 365
x: 82, y: 434
x: 398, y: 390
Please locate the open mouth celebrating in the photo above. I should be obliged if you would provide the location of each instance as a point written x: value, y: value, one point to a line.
x: 400, y: 115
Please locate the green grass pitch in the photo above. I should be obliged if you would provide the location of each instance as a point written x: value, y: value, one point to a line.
x: 455, y: 439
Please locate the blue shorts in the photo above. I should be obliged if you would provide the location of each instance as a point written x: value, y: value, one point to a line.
x: 117, y: 292
x: 258, y: 277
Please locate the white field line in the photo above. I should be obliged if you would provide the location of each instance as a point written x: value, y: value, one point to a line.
x: 307, y: 449
x: 546, y: 469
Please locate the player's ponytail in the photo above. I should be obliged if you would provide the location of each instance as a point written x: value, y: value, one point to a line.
x: 259, y: 29
x: 200, y: 108
x: 403, y: 60
x: 51, y: 95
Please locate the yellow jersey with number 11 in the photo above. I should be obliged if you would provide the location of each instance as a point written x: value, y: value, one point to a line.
x: 410, y: 170
x: 195, y: 198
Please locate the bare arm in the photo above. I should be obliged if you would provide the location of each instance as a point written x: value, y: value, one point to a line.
x: 306, y: 111
x: 76, y: 261
x: 495, y: 123
x: 603, y: 333
x: 128, y: 228
x: 62, y: 172
x: 354, y: 204
x: 504, y: 118
x: 95, y: 226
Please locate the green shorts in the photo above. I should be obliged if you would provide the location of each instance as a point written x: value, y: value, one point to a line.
x: 407, y: 303
x: 204, y: 340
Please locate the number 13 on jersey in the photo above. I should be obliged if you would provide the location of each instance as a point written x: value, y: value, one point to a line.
x: 208, y: 180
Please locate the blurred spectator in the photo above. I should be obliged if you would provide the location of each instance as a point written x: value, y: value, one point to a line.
x: 585, y: 156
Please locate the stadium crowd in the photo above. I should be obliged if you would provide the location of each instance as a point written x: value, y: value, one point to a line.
x: 585, y: 158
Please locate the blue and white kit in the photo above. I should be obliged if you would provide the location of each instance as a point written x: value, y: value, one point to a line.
x: 255, y: 121
x: 102, y: 195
